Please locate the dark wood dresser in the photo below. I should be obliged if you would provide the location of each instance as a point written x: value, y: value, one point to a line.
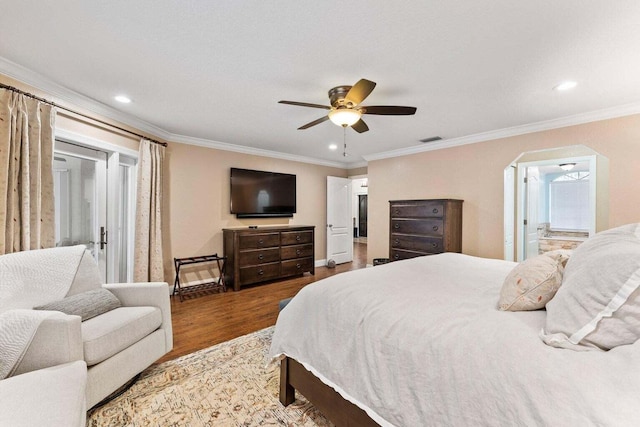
x: 267, y: 253
x: 424, y: 227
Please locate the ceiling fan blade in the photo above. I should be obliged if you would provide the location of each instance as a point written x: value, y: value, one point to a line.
x: 315, y: 122
x: 359, y: 91
x: 360, y: 126
x: 305, y: 104
x: 389, y: 110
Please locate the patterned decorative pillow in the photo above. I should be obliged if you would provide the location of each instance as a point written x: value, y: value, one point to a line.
x: 533, y: 282
x: 86, y: 304
x: 598, y: 305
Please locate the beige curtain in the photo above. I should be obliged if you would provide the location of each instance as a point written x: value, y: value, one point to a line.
x: 148, y: 241
x: 27, y: 214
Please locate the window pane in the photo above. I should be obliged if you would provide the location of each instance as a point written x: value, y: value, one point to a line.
x: 569, y: 205
x: 75, y: 200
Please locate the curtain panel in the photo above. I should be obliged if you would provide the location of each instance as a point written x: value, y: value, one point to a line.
x: 27, y: 213
x: 148, y: 265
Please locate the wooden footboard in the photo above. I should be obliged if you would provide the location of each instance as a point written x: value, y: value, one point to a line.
x: 294, y: 376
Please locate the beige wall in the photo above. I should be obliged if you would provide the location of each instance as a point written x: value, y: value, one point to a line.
x: 358, y: 171
x: 197, y: 198
x: 474, y: 173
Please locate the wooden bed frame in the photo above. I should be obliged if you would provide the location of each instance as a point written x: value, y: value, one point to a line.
x: 294, y: 376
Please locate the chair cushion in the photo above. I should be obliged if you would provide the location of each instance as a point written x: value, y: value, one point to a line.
x: 86, y: 304
x: 111, y: 332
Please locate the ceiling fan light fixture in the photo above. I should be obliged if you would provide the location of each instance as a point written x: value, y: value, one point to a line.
x: 344, y: 116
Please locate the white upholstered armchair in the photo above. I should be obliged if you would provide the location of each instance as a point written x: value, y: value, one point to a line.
x: 117, y: 329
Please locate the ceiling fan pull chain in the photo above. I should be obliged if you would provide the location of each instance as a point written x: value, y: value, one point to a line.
x: 344, y: 140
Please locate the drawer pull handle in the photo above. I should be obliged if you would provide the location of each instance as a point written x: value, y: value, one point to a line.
x: 435, y: 245
x: 297, y: 251
x: 298, y: 266
x: 435, y: 228
x: 260, y: 241
x: 396, y: 226
x: 397, y: 212
x: 396, y: 256
x: 396, y: 242
x: 261, y: 257
x: 298, y: 238
x: 260, y: 272
x: 435, y: 210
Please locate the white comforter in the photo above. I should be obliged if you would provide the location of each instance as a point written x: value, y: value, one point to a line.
x: 421, y: 343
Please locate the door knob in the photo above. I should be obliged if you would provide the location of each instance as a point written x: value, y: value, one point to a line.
x: 103, y: 237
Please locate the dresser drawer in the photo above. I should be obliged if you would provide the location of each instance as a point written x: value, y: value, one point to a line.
x: 296, y: 251
x: 433, y: 245
x: 398, y: 254
x: 296, y: 266
x: 258, y: 256
x: 259, y: 273
x: 295, y: 237
x: 432, y: 227
x: 424, y: 210
x: 256, y: 241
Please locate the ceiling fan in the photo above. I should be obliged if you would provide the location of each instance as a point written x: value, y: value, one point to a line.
x: 345, y: 109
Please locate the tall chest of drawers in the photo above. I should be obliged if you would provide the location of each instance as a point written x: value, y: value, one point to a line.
x: 257, y: 255
x: 424, y: 227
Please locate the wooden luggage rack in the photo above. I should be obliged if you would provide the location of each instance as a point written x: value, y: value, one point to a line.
x: 213, y: 284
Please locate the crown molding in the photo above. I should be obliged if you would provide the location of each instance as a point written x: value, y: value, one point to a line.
x: 355, y: 165
x: 201, y: 142
x: 577, y: 119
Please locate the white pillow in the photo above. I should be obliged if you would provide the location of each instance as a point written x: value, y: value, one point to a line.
x: 533, y: 282
x: 598, y: 304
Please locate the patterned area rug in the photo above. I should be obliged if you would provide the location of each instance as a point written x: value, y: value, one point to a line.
x: 224, y: 385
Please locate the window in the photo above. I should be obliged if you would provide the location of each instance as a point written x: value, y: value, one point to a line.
x: 569, y: 202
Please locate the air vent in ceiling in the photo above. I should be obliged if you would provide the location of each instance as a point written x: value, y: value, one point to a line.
x: 431, y: 139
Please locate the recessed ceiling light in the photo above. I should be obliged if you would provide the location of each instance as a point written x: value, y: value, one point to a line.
x: 566, y: 85
x: 333, y: 147
x: 122, y: 98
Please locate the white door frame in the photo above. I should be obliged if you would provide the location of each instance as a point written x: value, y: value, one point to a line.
x: 531, y: 193
x: 509, y: 212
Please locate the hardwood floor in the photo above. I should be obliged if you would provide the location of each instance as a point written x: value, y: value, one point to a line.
x: 214, y: 317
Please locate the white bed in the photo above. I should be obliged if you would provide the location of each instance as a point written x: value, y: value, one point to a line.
x: 421, y: 342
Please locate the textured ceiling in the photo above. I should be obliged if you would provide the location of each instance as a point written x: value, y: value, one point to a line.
x: 214, y: 71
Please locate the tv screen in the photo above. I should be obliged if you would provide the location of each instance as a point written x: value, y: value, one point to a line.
x: 256, y: 194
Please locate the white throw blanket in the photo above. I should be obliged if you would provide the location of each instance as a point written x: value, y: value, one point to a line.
x: 29, y: 279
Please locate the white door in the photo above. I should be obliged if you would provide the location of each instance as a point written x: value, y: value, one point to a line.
x: 80, y: 191
x: 339, y: 220
x: 509, y: 213
x: 531, y: 225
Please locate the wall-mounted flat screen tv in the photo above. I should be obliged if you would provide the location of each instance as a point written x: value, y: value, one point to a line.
x: 256, y: 194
